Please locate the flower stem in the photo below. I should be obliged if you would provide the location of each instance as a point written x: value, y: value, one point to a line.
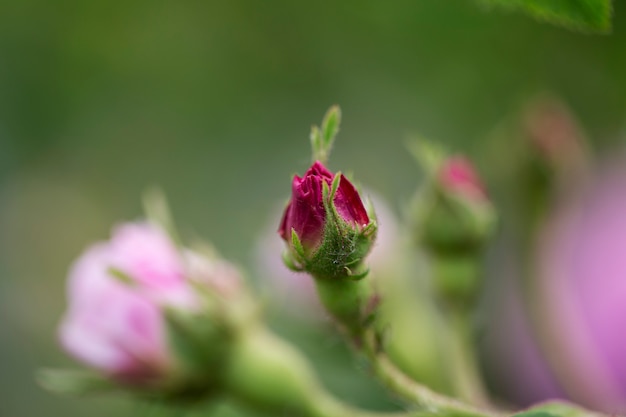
x: 411, y: 391
x: 325, y: 405
x: 267, y: 373
x: 464, y: 370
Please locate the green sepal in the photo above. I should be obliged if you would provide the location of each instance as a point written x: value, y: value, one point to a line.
x: 75, y: 382
x: 334, y: 186
x: 157, y: 211
x: 296, y: 244
x: 121, y: 276
x: 359, y: 276
x: 197, y: 339
x: 201, y: 347
x: 289, y: 261
x: 341, y: 253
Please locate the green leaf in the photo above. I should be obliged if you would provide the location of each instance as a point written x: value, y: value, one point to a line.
x: 322, y: 139
x: 428, y: 155
x: 316, y: 143
x: 330, y: 126
x: 72, y: 382
x: 585, y: 15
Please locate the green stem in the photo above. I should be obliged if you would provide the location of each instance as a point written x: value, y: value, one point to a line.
x: 324, y: 405
x: 464, y: 371
x: 411, y: 391
x: 457, y: 280
x: 268, y: 374
x: 347, y: 301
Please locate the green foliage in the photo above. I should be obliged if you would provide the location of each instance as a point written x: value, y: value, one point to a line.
x: 322, y: 138
x: 585, y: 15
x: 71, y: 382
x: 557, y: 408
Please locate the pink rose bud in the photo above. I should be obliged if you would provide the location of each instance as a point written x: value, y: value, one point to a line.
x: 325, y: 223
x: 455, y: 214
x: 306, y: 214
x: 119, y: 292
x: 457, y: 175
x: 454, y: 220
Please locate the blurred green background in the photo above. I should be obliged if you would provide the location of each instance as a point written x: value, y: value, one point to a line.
x: 213, y: 101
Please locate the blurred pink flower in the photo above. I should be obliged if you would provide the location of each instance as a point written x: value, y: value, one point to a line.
x: 117, y: 290
x: 582, y: 282
x: 111, y: 326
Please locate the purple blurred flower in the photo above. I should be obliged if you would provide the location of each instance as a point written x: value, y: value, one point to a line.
x: 582, y: 276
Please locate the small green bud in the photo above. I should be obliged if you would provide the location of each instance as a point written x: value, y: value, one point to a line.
x: 455, y: 214
x: 455, y: 219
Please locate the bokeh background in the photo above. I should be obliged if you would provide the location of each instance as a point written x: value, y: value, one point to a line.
x: 213, y: 102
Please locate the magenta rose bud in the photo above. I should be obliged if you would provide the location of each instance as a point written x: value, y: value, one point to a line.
x: 137, y: 298
x: 306, y: 214
x: 325, y: 224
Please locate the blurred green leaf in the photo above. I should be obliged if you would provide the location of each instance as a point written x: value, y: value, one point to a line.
x: 157, y: 210
x: 322, y: 139
x: 330, y: 125
x: 428, y: 154
x: 72, y: 382
x: 557, y: 408
x: 586, y: 15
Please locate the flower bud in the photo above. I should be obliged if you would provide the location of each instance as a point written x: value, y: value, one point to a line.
x: 455, y: 215
x: 147, y: 314
x: 454, y: 220
x: 325, y: 224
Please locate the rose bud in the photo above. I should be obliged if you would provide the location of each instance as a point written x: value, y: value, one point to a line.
x: 329, y: 233
x: 454, y: 220
x: 325, y: 225
x: 148, y: 315
x: 456, y: 214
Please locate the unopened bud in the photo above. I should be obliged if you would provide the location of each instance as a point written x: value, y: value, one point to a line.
x: 148, y: 315
x: 326, y: 227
